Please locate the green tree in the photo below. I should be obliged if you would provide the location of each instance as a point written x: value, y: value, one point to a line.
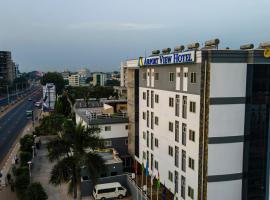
x: 21, y: 183
x: 35, y: 191
x: 25, y: 157
x: 56, y: 78
x: 50, y: 125
x: 26, y: 143
x: 75, y: 147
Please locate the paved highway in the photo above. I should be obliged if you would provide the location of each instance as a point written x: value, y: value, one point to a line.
x: 13, y: 122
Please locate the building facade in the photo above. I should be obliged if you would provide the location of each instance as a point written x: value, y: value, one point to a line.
x: 7, y: 67
x: 111, y: 117
x: 49, y: 97
x: 204, y: 122
x: 74, y: 80
x: 99, y: 79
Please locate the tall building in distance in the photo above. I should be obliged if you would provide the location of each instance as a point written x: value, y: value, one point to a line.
x: 99, y: 79
x: 7, y: 67
x: 204, y: 121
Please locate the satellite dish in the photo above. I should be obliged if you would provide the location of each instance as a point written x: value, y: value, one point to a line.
x: 267, y: 53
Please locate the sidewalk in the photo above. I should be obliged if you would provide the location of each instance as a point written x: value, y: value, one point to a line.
x: 41, y: 173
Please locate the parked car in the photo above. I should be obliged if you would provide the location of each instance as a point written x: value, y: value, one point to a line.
x: 109, y: 190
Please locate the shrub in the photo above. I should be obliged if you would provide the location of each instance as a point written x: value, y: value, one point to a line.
x: 22, y: 171
x: 25, y: 157
x: 21, y: 183
x: 26, y: 143
x: 35, y: 191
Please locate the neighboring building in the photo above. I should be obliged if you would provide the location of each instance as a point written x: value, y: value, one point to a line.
x: 121, y: 91
x: 65, y: 74
x: 74, y: 80
x: 49, y: 97
x: 7, y: 67
x: 111, y: 117
x: 99, y: 79
x: 130, y: 81
x: 84, y: 74
x: 204, y: 122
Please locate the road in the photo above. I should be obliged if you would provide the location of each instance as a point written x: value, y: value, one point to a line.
x: 13, y: 122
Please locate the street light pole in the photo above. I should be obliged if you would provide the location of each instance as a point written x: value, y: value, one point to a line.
x: 29, y: 167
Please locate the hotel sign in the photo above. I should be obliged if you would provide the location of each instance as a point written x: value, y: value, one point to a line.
x: 175, y: 58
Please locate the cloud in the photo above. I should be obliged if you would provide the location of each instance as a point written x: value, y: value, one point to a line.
x: 118, y: 26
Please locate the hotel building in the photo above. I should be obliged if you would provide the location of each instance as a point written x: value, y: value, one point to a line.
x: 204, y: 121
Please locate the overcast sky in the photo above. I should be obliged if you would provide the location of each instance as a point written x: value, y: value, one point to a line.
x: 51, y: 35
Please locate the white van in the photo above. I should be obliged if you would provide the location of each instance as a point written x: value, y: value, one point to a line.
x: 109, y: 190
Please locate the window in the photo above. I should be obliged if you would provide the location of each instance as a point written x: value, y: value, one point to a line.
x: 120, y: 188
x: 176, y: 156
x: 183, y: 187
x: 171, y: 78
x: 144, y: 75
x: 156, y: 76
x: 106, y: 190
x: 152, y: 99
x: 108, y: 128
x: 156, y: 142
x: 192, y: 107
x: 177, y: 105
x: 176, y: 137
x: 191, y: 163
x: 156, y: 164
x: 107, y: 143
x: 192, y: 135
x: 170, y: 151
x: 152, y: 161
x: 156, y: 98
x: 183, y: 167
x: 152, y: 120
x: 143, y: 115
x: 147, y: 118
x: 184, y: 134
x: 170, y: 101
x: 193, y: 77
x: 144, y: 135
x: 144, y: 155
x: 126, y: 127
x: 147, y: 139
x: 126, y: 141
x: 184, y: 107
x: 186, y: 74
x: 147, y: 98
x: 152, y: 141
x: 170, y: 176
x: 156, y: 120
x: 190, y: 192
x: 171, y: 126
x: 144, y: 95
x: 179, y: 74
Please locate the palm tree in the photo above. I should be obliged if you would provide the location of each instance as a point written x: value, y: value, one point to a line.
x: 73, y: 149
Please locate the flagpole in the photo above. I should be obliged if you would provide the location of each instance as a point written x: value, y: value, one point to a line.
x: 136, y: 178
x: 151, y: 191
x: 157, y: 192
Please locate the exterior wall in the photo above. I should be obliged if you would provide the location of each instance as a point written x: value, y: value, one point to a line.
x: 226, y: 130
x: 166, y: 89
x: 74, y: 80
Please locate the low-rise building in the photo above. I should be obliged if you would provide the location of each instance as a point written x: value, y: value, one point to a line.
x: 111, y: 117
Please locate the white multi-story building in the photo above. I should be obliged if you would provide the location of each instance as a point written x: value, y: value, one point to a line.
x: 111, y: 117
x: 99, y: 78
x: 74, y: 80
x: 49, y: 97
x: 197, y: 121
